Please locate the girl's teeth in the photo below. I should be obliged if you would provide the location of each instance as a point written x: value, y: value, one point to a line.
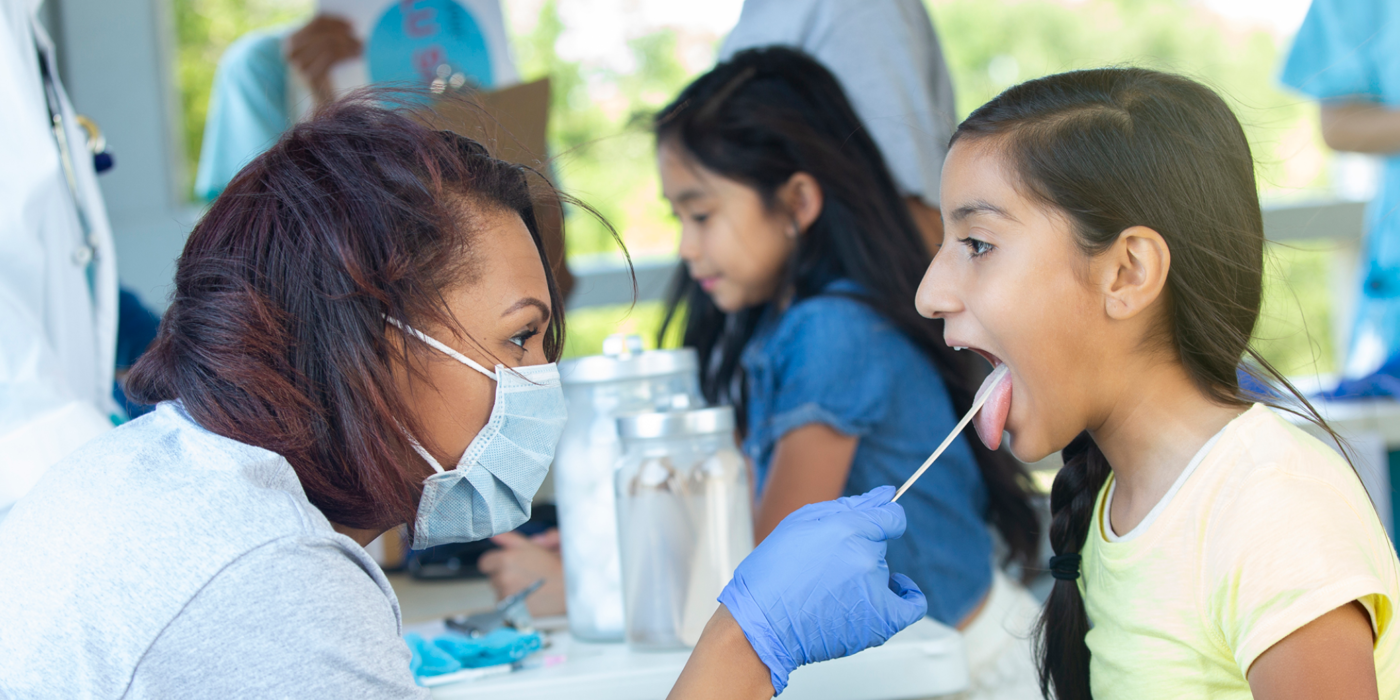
x: 959, y: 348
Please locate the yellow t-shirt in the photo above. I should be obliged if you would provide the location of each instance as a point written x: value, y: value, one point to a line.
x: 1271, y: 530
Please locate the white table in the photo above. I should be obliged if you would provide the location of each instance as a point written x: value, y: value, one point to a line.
x: 925, y: 660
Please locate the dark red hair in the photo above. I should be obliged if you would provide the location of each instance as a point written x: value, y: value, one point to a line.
x: 276, y: 334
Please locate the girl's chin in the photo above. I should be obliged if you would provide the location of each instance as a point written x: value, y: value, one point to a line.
x: 1026, y: 450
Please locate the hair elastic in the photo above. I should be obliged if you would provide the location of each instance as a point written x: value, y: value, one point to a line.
x: 1065, y: 567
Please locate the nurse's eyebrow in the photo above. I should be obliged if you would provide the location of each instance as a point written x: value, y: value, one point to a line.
x: 528, y: 301
x: 980, y: 207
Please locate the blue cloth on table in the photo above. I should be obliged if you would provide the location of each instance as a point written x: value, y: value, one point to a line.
x: 1383, y: 383
x: 1349, y: 51
x: 453, y: 652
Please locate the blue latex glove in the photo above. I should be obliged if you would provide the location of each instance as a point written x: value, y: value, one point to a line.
x: 818, y: 588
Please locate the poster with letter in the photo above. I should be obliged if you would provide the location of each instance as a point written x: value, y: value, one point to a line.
x: 419, y: 41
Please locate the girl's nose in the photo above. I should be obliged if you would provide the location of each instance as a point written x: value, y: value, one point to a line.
x: 936, y: 297
x: 689, y: 249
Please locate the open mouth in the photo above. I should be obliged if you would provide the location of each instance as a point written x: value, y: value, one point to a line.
x: 991, y: 420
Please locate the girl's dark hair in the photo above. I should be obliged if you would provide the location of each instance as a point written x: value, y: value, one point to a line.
x: 762, y: 117
x: 1124, y: 147
x: 276, y: 334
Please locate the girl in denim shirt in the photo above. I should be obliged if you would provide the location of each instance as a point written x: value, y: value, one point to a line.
x: 800, y: 262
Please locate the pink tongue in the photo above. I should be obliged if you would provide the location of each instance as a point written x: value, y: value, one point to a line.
x: 991, y: 420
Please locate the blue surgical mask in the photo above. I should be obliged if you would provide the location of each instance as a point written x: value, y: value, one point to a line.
x: 493, y: 484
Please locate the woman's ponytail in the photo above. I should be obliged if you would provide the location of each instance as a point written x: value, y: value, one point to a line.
x: 1062, y: 655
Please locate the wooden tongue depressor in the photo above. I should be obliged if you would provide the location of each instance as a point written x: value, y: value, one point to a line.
x: 996, y: 378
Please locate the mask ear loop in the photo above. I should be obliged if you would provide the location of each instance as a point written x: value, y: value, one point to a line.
x: 441, y: 346
x: 432, y: 462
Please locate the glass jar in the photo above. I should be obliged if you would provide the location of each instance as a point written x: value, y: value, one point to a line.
x: 685, y: 521
x: 598, y: 389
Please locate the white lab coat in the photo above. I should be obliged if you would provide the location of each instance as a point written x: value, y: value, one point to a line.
x: 58, y: 320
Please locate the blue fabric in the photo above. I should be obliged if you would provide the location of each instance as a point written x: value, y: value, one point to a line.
x: 428, y: 659
x: 1349, y: 50
x: 247, y: 108
x: 136, y: 330
x: 833, y: 360
x: 453, y: 652
x: 1383, y: 383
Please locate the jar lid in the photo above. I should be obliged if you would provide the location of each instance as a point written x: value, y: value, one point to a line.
x: 700, y: 421
x: 623, y: 358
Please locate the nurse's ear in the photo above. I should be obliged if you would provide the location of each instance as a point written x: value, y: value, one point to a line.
x: 801, y: 197
x: 1132, y: 273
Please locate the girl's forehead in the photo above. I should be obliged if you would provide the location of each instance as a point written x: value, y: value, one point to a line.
x: 977, y: 179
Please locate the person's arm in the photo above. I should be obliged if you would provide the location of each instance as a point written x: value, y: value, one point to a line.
x: 1361, y: 127
x: 810, y: 464
x: 1330, y: 657
x: 522, y: 561
x: 817, y: 588
x: 723, y: 666
x: 315, y: 48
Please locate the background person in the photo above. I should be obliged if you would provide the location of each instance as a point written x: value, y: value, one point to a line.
x: 887, y: 58
x: 255, y: 95
x: 1345, y: 56
x: 58, y: 268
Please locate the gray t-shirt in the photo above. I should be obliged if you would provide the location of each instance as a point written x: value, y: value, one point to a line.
x: 164, y: 561
x: 886, y: 56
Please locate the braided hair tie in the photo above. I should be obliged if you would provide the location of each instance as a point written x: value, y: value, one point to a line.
x: 1065, y: 567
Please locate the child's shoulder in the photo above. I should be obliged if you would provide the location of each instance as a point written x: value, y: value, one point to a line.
x: 835, y: 331
x: 842, y: 311
x: 1266, y: 464
x: 1267, y: 442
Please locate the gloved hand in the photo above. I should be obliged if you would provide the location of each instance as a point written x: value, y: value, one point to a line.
x: 818, y: 587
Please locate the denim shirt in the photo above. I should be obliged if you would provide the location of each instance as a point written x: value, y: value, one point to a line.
x: 833, y: 360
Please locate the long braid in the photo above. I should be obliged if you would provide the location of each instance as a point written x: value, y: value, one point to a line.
x: 1063, y: 656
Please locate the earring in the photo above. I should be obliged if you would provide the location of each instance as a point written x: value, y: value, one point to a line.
x: 792, y: 231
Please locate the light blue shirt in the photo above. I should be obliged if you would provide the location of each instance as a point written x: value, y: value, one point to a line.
x: 247, y: 108
x: 1349, y: 50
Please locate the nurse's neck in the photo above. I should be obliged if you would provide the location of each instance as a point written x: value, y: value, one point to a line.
x: 361, y: 537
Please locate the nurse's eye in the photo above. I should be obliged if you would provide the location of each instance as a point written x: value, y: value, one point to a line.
x: 699, y: 218
x: 519, y: 339
x: 978, y: 248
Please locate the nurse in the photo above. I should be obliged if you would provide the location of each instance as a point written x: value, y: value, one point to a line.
x: 362, y: 334
x: 1345, y: 56
x: 58, y: 267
